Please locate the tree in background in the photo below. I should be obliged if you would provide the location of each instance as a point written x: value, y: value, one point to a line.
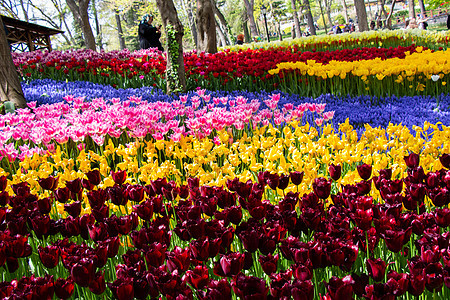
x: 10, y: 88
x: 79, y: 10
x: 309, y: 17
x: 250, y: 8
x: 206, y: 27
x: 175, y: 74
x: 361, y: 13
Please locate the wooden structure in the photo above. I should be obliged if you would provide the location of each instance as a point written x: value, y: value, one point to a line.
x: 23, y: 36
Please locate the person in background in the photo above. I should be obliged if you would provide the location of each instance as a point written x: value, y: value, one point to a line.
x: 148, y: 34
x: 448, y: 22
x: 372, y: 25
x: 412, y: 24
x: 240, y: 39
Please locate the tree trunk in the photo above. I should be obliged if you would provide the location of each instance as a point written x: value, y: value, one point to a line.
x: 10, y: 88
x: 206, y: 25
x: 422, y: 8
x: 323, y: 16
x: 249, y: 6
x: 280, y: 36
x: 297, y: 32
x: 119, y: 29
x: 388, y: 19
x: 361, y: 13
x: 80, y: 13
x: 344, y: 6
x: 223, y: 24
x: 328, y: 10
x: 175, y: 74
x: 247, y: 36
x: 191, y: 21
x: 412, y: 13
x: 97, y: 25
x: 222, y: 39
x: 309, y: 17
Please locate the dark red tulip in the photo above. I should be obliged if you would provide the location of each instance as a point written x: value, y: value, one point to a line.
x: 97, y: 198
x: 178, y: 259
x: 44, y: 205
x: 434, y: 277
x: 62, y: 194
x: 112, y: 246
x: 218, y: 289
x: 445, y: 160
x: 49, y: 256
x: 439, y: 196
x: 364, y: 187
x: 3, y: 183
x: 322, y: 187
x: 249, y: 287
x: 40, y: 224
x: 155, y: 254
x: 119, y: 177
x: 6, y: 289
x: 335, y: 171
x: 73, y: 209
x: 395, y: 239
x: 376, y: 268
x: 117, y: 194
x: 296, y: 177
x: 302, y: 271
x: 302, y: 290
x: 94, y: 177
x: 359, y: 284
x: 98, y: 285
x: 4, y: 198
x: 198, y: 277
x: 193, y: 182
x: 135, y: 192
x: 86, y: 184
x: 283, y: 182
x: 364, y: 171
x: 230, y: 264
x: 432, y: 180
x: 74, y: 186
x: 50, y: 183
x: 144, y: 210
x: 98, y: 232
x: 269, y: 263
x: 340, y: 288
x: 273, y: 180
x: 83, y: 272
x: 416, y: 284
x: 122, y: 289
x: 280, y: 286
x: 64, y: 288
x: 412, y: 160
x: 442, y: 217
x: 363, y: 218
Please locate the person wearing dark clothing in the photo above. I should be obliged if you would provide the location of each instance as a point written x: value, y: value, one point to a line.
x: 240, y: 39
x: 148, y: 34
x: 448, y: 22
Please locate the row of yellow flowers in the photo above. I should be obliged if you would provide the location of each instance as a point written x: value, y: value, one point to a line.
x: 424, y: 71
x: 382, y: 38
x: 277, y: 150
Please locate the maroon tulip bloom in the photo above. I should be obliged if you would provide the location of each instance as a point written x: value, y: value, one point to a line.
x: 416, y: 284
x: 94, y: 177
x: 97, y: 198
x: 4, y: 198
x: 273, y: 180
x: 230, y: 264
x: 62, y: 195
x: 122, y: 289
x: 340, y: 288
x: 335, y: 171
x: 50, y: 183
x: 442, y: 217
x: 439, y: 196
x: 249, y: 287
x: 44, y: 205
x: 364, y: 171
x: 302, y: 271
x: 178, y: 259
x: 412, y: 160
x: 86, y: 184
x: 83, y: 272
x: 445, y: 160
x: 155, y: 254
x: 74, y: 186
x: 376, y: 268
x: 73, y: 209
x: 98, y: 285
x: 434, y: 277
x: 98, y: 232
x: 3, y: 183
x: 302, y: 290
x: 359, y: 284
x: 144, y: 210
x: 218, y: 289
x: 41, y: 225
x: 112, y: 246
x: 117, y: 194
x: 364, y: 187
x: 322, y: 187
x: 269, y: 263
x: 296, y: 177
x: 135, y: 192
x: 363, y: 218
x: 64, y: 288
x: 119, y: 177
x: 49, y: 256
x: 395, y: 239
x: 283, y: 181
x: 198, y: 277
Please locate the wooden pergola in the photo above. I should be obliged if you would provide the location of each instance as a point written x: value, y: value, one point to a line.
x: 23, y: 36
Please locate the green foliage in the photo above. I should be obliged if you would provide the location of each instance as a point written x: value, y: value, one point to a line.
x: 172, y: 53
x: 340, y: 19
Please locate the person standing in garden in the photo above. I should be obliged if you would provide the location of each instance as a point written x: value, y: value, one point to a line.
x: 148, y: 34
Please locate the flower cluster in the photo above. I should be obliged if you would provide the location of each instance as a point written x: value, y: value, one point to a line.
x: 250, y: 238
